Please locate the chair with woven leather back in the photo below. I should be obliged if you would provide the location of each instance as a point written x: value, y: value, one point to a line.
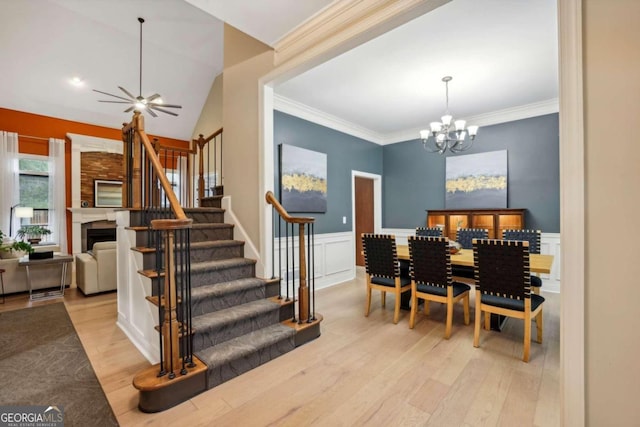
x: 431, y: 279
x: 533, y: 237
x: 503, y: 286
x: 383, y: 270
x: 429, y: 231
x: 465, y: 236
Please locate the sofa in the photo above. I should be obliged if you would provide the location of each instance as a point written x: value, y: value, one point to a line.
x: 45, y: 276
x: 96, y: 270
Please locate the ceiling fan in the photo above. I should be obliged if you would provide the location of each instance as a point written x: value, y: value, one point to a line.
x: 151, y: 104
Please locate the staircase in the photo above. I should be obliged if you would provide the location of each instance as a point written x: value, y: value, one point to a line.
x: 216, y: 319
x: 239, y: 320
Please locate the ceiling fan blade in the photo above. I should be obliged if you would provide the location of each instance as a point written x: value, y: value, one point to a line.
x: 161, y: 110
x: 127, y: 92
x: 115, y: 102
x: 130, y: 109
x: 152, y: 97
x: 152, y: 113
x: 165, y: 105
x: 110, y: 94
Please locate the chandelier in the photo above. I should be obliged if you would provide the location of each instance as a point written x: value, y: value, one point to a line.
x: 445, y: 135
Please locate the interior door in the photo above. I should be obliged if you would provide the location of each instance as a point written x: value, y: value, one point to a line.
x: 364, y: 213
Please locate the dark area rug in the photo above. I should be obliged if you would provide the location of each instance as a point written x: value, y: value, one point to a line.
x: 42, y: 362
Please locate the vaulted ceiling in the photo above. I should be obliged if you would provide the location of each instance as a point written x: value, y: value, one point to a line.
x: 502, y: 54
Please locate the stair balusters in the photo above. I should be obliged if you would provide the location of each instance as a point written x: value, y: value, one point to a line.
x: 149, y: 190
x: 209, y: 150
x: 305, y: 251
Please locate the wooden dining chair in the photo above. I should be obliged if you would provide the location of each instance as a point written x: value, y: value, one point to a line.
x: 429, y: 231
x: 383, y: 270
x: 503, y: 286
x: 533, y: 237
x: 431, y: 279
x: 465, y: 236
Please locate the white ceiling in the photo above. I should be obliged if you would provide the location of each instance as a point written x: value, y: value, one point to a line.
x: 501, y: 54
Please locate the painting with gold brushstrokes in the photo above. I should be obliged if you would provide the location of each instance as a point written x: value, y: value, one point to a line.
x: 303, y: 179
x: 476, y: 181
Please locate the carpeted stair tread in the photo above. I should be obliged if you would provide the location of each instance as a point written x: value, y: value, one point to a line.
x: 234, y: 314
x: 245, y: 345
x: 222, y: 264
x: 199, y: 225
x: 204, y: 209
x: 216, y: 243
x: 219, y: 290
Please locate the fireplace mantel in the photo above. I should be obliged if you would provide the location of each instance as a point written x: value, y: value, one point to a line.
x: 80, y: 216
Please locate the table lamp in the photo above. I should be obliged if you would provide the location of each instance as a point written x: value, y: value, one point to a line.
x: 21, y: 212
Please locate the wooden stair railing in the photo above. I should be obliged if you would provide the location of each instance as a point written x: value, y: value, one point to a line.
x: 180, y: 162
x: 306, y: 294
x: 209, y: 148
x: 148, y: 189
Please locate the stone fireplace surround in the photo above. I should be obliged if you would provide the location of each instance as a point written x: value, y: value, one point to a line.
x: 80, y: 215
x: 97, y: 231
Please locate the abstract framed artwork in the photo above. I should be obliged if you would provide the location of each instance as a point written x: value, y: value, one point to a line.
x: 476, y: 181
x: 303, y: 179
x: 107, y: 194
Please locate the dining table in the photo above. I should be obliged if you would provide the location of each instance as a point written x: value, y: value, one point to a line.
x: 538, y: 264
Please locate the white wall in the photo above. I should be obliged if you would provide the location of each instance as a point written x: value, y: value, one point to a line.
x: 611, y: 64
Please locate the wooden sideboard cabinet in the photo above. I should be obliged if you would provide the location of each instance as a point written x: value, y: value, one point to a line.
x: 495, y: 220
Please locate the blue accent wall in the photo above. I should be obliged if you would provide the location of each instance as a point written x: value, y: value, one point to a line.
x: 344, y: 154
x: 414, y: 179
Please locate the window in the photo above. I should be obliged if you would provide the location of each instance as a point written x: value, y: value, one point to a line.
x: 34, y: 188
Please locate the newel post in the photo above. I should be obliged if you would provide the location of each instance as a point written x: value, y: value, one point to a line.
x: 170, y: 325
x: 136, y: 174
x: 200, y: 143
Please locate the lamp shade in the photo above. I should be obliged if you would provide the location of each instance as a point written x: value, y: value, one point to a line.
x: 24, y: 212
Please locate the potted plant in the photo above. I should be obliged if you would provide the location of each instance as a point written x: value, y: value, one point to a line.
x: 11, y: 249
x: 33, y: 233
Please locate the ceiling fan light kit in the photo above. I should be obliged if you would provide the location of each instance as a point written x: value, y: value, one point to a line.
x: 442, y: 135
x: 151, y: 104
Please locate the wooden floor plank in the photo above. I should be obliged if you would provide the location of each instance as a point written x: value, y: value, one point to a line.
x: 362, y: 370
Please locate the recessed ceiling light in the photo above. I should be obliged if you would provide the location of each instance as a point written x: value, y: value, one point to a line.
x: 76, y: 81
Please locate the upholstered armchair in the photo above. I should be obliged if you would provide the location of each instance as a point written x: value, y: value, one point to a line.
x: 96, y: 270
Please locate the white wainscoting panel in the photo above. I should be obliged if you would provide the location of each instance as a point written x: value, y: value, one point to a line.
x: 550, y: 245
x: 333, y: 254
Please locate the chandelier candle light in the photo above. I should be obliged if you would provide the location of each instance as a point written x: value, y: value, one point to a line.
x: 443, y: 135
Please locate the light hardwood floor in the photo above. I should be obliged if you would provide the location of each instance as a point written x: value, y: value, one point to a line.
x: 361, y: 371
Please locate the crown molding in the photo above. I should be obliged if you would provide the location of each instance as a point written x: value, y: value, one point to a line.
x: 516, y: 113
x: 313, y: 115
x: 342, y: 22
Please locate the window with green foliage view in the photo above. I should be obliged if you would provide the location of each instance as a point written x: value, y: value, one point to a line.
x: 34, y: 188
